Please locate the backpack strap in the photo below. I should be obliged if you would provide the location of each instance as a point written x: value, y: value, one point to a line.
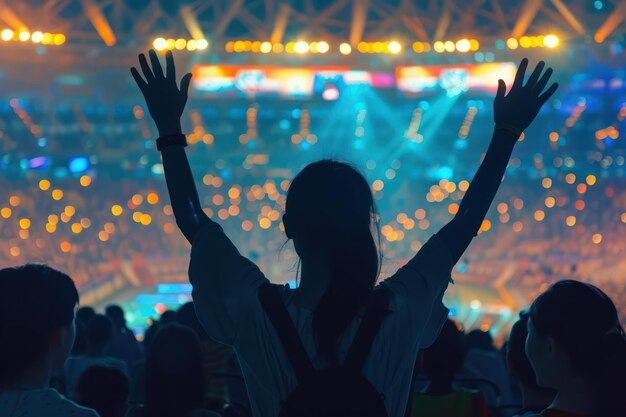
x: 275, y: 309
x: 377, y: 310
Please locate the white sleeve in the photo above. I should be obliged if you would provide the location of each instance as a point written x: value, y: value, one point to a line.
x: 418, y: 289
x: 224, y: 283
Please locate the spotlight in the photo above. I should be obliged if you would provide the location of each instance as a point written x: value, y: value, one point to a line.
x: 301, y: 47
x: 345, y: 48
x: 7, y: 35
x: 322, y: 47
x: 463, y: 45
x: 551, y: 41
x: 394, y: 47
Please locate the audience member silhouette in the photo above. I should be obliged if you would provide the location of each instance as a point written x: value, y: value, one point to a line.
x: 37, y: 332
x: 441, y: 362
x: 174, y: 381
x: 123, y: 344
x: 329, y: 216
x: 83, y: 315
x: 534, y: 398
x: 105, y: 389
x: 98, y: 334
x: 485, y: 361
x: 216, y: 358
x: 168, y: 317
x: 576, y: 346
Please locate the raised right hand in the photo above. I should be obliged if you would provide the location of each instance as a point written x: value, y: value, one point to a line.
x: 521, y: 105
x: 165, y: 100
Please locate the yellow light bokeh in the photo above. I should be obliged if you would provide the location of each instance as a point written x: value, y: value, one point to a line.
x: 152, y: 198
x: 44, y: 185
x: 7, y: 34
x: 24, y: 223
x: 463, y: 45
x: 551, y: 41
x: 394, y: 47
x: 6, y: 212
x: 345, y: 48
x: 85, y: 180
x: 117, y: 210
x: 57, y: 194
x: 159, y: 44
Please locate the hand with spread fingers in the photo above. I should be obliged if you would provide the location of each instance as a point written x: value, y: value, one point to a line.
x: 165, y: 100
x: 516, y: 110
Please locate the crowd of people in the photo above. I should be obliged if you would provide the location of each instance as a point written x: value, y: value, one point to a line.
x: 91, y: 361
x: 341, y: 343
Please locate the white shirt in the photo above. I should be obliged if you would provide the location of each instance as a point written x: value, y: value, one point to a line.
x: 225, y: 287
x: 40, y: 402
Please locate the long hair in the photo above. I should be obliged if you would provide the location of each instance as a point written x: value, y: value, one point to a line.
x: 584, y: 321
x: 330, y: 209
x: 174, y: 373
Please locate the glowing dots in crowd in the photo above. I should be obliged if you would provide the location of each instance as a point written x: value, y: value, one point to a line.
x: 76, y: 228
x: 546, y: 183
x: 591, y: 180
x: 152, y: 198
x: 540, y: 215
x: 596, y: 238
x: 103, y: 236
x: 145, y: 219
x: 570, y: 221
x: 57, y: 194
x: 69, y: 211
x: 44, y: 185
x: 265, y: 223
x: 117, y: 210
x: 6, y: 212
x: 51, y: 228
x: 485, y: 226
x: 24, y: 223
x: 137, y: 199
x: 453, y: 208
x: 14, y: 201
x: 517, y: 227
x: 85, y: 180
x: 378, y: 185
x: 65, y: 246
x: 570, y: 178
x: 169, y: 228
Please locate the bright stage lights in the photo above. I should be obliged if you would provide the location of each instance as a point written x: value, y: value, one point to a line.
x: 345, y: 48
x: 394, y: 47
x: 551, y: 41
x: 301, y: 47
x: 7, y: 35
x: 161, y: 44
x: 24, y: 36
x: 463, y: 45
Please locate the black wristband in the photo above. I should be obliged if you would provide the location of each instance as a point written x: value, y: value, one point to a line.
x: 171, y: 140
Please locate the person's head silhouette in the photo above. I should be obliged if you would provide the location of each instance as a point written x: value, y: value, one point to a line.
x: 174, y: 373
x: 329, y: 213
x: 576, y: 344
x: 37, y: 330
x: 535, y: 397
x: 116, y: 314
x: 104, y: 389
x: 98, y: 333
x: 444, y: 358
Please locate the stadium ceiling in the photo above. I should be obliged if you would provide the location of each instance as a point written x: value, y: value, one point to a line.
x: 134, y: 23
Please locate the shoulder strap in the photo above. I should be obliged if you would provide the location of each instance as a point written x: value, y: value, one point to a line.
x: 377, y: 310
x: 287, y: 333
